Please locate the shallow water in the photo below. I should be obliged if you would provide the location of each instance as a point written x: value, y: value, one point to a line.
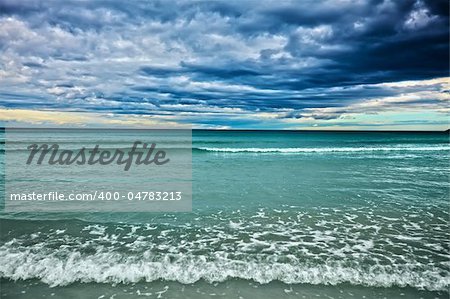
x: 232, y: 288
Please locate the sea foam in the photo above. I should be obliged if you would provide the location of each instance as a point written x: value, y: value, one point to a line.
x: 113, y: 267
x: 320, y: 150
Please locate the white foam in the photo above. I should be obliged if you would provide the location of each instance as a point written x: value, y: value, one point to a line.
x: 56, y: 269
x: 321, y: 150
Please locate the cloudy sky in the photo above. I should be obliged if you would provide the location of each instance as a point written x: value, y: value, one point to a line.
x: 368, y: 65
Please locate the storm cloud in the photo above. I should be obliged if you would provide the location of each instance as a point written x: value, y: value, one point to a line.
x: 258, y: 64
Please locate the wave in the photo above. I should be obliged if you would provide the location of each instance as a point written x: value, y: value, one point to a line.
x: 268, y: 150
x: 294, y: 150
x: 113, y: 267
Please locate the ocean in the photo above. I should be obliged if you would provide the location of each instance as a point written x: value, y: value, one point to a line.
x: 275, y: 214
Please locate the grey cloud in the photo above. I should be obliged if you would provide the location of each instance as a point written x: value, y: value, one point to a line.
x: 252, y: 55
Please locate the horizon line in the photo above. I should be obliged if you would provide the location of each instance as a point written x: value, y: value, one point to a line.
x: 234, y: 130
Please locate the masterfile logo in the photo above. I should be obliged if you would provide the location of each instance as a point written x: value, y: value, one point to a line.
x: 54, y: 156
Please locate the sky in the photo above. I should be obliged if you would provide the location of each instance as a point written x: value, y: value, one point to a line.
x: 312, y: 65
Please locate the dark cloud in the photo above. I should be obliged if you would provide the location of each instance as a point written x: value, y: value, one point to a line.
x: 33, y: 64
x: 168, y: 57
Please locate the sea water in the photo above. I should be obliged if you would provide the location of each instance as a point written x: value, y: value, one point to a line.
x: 275, y: 215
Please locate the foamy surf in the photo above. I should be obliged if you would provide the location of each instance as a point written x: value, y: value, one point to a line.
x: 294, y: 150
x: 112, y: 267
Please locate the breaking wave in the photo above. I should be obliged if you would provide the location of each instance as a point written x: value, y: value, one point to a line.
x: 320, y: 150
x: 113, y: 267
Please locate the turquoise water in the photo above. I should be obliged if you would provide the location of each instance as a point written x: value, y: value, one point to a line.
x: 275, y: 214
